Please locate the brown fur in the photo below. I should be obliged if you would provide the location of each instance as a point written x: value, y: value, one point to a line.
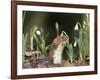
x: 55, y: 44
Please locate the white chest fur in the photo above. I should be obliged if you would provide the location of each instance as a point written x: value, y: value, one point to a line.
x: 58, y: 54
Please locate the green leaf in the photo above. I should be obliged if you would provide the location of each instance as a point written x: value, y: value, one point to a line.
x: 70, y: 52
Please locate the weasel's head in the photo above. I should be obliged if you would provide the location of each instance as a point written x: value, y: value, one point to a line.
x: 62, y: 39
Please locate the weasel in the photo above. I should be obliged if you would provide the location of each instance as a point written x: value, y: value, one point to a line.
x: 57, y: 46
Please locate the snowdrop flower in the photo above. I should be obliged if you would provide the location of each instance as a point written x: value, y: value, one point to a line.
x: 62, y: 33
x: 87, y: 15
x: 84, y: 22
x: 75, y: 44
x: 38, y: 32
x: 76, y: 27
x: 84, y: 26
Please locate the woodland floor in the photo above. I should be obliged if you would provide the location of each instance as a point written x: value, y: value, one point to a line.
x: 45, y: 64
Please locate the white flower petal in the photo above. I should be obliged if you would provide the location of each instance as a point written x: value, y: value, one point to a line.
x: 38, y: 32
x: 84, y: 26
x: 84, y: 22
x: 76, y: 27
x: 75, y: 44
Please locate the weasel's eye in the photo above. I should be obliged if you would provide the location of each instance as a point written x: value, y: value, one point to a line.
x: 62, y: 37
